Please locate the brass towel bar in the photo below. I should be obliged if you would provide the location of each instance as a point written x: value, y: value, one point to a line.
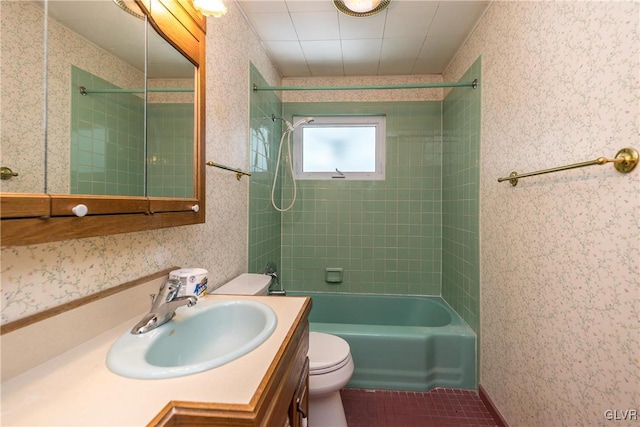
x: 239, y: 172
x: 624, y: 162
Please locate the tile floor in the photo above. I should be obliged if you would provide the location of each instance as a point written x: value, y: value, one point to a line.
x: 438, y: 408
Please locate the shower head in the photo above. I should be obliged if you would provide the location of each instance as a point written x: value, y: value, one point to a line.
x: 302, y: 121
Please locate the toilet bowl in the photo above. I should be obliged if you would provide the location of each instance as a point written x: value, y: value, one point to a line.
x: 330, y: 369
x: 330, y: 362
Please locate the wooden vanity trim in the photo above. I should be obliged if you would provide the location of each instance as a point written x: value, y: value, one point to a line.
x: 270, y: 403
x: 54, y: 311
x: 62, y: 205
x: 23, y: 231
x: 20, y: 205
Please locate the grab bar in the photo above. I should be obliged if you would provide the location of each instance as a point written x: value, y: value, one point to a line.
x: 624, y: 162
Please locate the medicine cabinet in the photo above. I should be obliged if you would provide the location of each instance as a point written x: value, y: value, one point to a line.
x: 97, y: 155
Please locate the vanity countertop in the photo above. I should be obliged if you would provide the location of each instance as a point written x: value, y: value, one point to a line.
x: 77, y: 389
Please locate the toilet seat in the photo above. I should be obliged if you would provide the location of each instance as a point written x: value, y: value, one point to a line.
x: 327, y: 353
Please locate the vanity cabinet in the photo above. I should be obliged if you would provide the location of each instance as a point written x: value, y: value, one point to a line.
x: 33, y: 208
x: 299, y: 408
x: 46, y: 378
x: 281, y: 398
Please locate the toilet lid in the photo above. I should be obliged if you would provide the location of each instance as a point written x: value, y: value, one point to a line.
x: 326, y: 352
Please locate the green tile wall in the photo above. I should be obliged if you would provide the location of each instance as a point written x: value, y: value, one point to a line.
x: 460, y: 199
x: 385, y: 235
x: 264, y: 137
x: 170, y: 150
x: 414, y: 233
x: 107, y: 139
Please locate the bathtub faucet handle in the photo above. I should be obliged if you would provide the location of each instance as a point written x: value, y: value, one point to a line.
x: 272, y: 270
x: 274, y: 276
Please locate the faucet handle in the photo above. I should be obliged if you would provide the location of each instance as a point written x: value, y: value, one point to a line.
x: 174, y: 289
x: 274, y: 276
x: 153, y: 298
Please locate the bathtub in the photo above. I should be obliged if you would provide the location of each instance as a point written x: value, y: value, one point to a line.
x: 399, y: 342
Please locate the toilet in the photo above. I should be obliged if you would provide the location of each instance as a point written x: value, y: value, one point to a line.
x: 330, y: 361
x: 246, y: 284
x: 330, y: 369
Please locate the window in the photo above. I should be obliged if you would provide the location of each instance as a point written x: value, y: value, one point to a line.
x: 340, y: 147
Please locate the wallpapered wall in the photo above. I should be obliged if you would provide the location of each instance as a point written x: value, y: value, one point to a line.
x: 41, y: 276
x: 559, y: 253
x: 362, y: 95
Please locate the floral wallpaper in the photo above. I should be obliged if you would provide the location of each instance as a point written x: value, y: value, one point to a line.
x: 21, y: 123
x: 37, y: 277
x: 560, y: 290
x: 434, y: 94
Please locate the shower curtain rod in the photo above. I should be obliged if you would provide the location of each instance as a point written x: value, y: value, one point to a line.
x: 84, y: 91
x: 473, y: 84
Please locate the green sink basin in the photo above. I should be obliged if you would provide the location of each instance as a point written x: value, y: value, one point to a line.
x: 198, y: 338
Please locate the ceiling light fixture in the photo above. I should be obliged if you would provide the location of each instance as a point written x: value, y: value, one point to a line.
x: 215, y: 8
x: 361, y: 8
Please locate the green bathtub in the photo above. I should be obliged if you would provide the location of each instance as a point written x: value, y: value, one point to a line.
x: 399, y: 342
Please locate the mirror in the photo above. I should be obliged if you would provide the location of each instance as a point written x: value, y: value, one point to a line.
x: 123, y: 141
x: 116, y: 148
x: 170, y: 120
x: 95, y: 139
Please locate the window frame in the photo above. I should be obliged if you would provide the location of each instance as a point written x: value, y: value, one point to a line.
x: 378, y: 121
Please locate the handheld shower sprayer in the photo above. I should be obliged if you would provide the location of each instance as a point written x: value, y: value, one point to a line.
x: 300, y: 122
x: 291, y: 127
x: 287, y: 133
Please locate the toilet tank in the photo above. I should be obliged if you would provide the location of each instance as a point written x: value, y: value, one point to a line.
x: 246, y: 284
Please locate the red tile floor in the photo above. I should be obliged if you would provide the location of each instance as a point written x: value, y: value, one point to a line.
x: 438, y: 408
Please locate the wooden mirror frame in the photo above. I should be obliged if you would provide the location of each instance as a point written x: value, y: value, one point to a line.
x: 40, y: 218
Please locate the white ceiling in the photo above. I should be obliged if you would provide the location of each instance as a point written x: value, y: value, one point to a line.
x: 311, y: 38
x: 302, y: 37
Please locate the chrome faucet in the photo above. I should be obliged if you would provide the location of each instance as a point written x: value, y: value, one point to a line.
x: 272, y: 270
x: 163, y: 306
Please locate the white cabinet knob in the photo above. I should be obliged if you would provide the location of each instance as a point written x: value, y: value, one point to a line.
x: 80, y: 210
x: 195, y: 208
